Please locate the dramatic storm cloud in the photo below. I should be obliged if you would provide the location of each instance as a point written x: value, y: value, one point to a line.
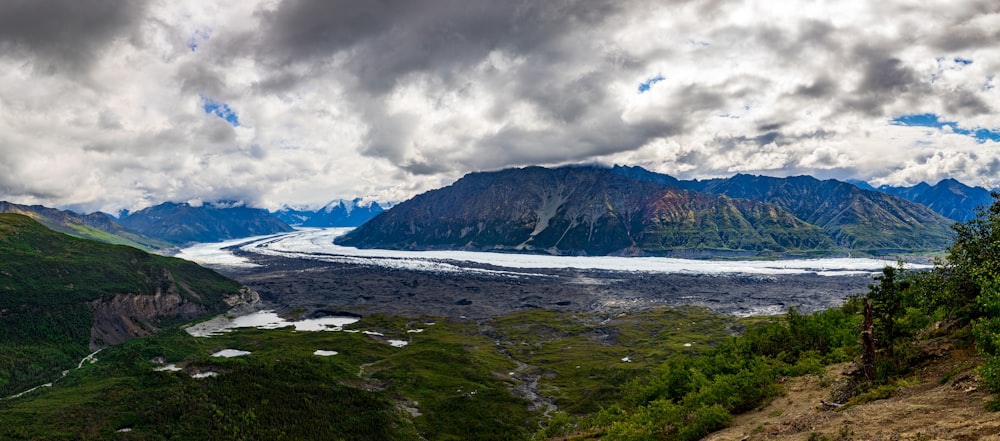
x: 113, y: 104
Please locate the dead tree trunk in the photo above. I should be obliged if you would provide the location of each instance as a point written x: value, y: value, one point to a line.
x: 868, y: 343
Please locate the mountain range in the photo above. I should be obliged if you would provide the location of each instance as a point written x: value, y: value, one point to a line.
x: 338, y: 213
x: 181, y: 223
x: 95, y: 226
x: 855, y: 218
x: 630, y: 210
x: 635, y: 212
x: 949, y: 198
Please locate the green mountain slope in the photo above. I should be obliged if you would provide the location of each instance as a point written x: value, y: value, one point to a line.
x: 94, y: 226
x: 61, y: 297
x: 583, y: 210
x: 862, y: 220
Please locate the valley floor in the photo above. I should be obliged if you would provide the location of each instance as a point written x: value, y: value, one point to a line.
x: 293, y: 284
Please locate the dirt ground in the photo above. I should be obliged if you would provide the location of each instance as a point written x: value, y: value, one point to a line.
x: 306, y: 285
x: 926, y: 409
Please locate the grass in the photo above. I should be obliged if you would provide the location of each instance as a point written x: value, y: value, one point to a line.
x: 47, y: 280
x: 580, y: 357
x: 452, y: 381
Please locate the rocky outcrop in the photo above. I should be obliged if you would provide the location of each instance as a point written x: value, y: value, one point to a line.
x: 246, y: 296
x: 126, y: 316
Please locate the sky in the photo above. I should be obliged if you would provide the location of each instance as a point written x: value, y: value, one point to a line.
x: 122, y: 104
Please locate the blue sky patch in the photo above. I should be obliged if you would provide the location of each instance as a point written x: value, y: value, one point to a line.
x: 932, y: 120
x: 963, y: 61
x: 198, y: 37
x: 646, y: 85
x: 221, y: 110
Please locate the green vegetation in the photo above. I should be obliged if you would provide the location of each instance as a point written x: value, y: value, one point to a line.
x: 452, y: 381
x: 96, y: 226
x: 693, y: 395
x: 674, y: 374
x: 47, y: 280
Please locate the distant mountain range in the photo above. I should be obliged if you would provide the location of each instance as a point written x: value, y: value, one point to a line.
x: 338, y: 213
x: 582, y: 210
x: 184, y: 223
x: 855, y: 218
x: 95, y: 226
x: 949, y: 198
x: 630, y: 210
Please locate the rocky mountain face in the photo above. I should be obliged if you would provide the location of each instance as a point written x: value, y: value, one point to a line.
x: 183, y: 223
x: 338, y: 213
x: 94, y: 226
x: 583, y: 210
x: 630, y: 210
x: 292, y: 216
x: 949, y: 198
x: 854, y: 218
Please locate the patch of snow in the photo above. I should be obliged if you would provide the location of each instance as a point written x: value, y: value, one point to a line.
x: 414, y: 331
x: 170, y: 368
x: 626, y: 359
x: 397, y: 343
x: 373, y: 333
x: 229, y: 353
x: 267, y: 320
x: 90, y: 358
x: 30, y: 390
x: 323, y: 353
x: 205, y: 374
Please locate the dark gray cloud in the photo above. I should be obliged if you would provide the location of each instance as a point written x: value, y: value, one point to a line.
x: 965, y: 103
x: 384, y: 40
x: 960, y: 34
x: 65, y: 36
x: 884, y: 79
x: 200, y: 79
x: 822, y: 87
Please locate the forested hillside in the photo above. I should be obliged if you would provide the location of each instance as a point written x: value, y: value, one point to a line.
x: 62, y: 297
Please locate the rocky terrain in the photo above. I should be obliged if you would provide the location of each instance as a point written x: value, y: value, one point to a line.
x: 308, y: 285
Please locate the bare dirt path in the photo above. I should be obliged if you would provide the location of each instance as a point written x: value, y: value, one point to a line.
x: 926, y: 410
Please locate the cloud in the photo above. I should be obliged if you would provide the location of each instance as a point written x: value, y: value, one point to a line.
x: 113, y: 105
x: 65, y: 36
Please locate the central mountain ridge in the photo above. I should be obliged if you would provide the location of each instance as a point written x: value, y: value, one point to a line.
x: 632, y: 211
x: 583, y: 210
